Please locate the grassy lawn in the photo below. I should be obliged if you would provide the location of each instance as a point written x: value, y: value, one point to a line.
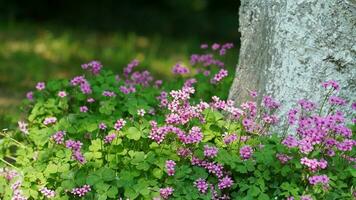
x: 30, y: 53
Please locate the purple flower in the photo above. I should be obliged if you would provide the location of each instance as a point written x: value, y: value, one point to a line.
x: 306, y: 197
x: 215, y: 46
x: 49, y: 120
x: 201, y: 185
x: 225, y: 182
x: 29, y: 95
x: 170, y: 165
x: 40, y: 86
x: 166, y: 192
x: 290, y: 141
x: 283, y: 158
x: 58, y: 137
x: 83, y: 109
x: 228, y: 139
x: 270, y: 103
x: 93, y: 66
x: 81, y: 191
x: 323, y: 179
x: 334, y: 100
x: 246, y: 152
x: 210, y: 152
x: 180, y: 69
x: 109, y: 138
x: 119, y: 124
x: 204, y: 46
x: 219, y: 76
x: 109, y: 94
x: 331, y: 83
x: 102, y: 126
x: 48, y: 193
x: 90, y: 100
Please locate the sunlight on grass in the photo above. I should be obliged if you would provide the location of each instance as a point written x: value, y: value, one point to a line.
x: 29, y: 54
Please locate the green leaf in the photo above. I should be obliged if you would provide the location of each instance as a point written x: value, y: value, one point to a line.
x: 112, y: 192
x: 133, y: 133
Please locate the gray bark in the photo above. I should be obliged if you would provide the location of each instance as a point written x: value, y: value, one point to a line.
x: 288, y: 47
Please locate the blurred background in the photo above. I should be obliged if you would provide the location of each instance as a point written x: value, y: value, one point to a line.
x: 42, y: 39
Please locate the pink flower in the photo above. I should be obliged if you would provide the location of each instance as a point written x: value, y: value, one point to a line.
x: 119, y: 124
x: 219, y: 76
x: 246, y: 152
x: 228, y: 139
x: 210, y: 152
x: 331, y: 83
x: 81, y: 191
x: 109, y: 138
x: 166, y: 192
x: 102, y: 126
x: 215, y: 46
x: 58, y: 137
x: 29, y: 95
x: 201, y: 185
x: 93, y: 66
x: 83, y: 109
x: 49, y: 120
x: 62, y: 94
x: 48, y: 193
x: 170, y: 165
x: 180, y: 69
x: 40, y: 86
x: 225, y: 182
x: 323, y: 179
x: 204, y: 46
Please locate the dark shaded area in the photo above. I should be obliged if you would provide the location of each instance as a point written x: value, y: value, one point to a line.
x: 177, y: 18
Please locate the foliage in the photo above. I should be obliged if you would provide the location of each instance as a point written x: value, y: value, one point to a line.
x: 104, y: 136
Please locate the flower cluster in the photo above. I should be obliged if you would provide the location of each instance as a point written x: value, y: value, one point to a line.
x: 107, y: 93
x: 314, y: 164
x: 109, y: 138
x: 75, y: 147
x: 180, y: 69
x: 283, y: 158
x: 83, y: 83
x: 170, y: 165
x: 119, y: 124
x: 228, y: 139
x: 48, y: 193
x: 16, y: 191
x: 58, y: 137
x: 323, y: 179
x: 49, y: 120
x: 201, y: 185
x: 210, y: 152
x: 93, y: 66
x: 81, y: 191
x: 219, y: 76
x: 166, y: 192
x: 225, y: 182
x: 246, y: 152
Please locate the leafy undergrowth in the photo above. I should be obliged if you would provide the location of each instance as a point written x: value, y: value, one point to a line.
x: 107, y: 136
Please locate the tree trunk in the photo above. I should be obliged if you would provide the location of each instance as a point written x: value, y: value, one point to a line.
x: 288, y: 47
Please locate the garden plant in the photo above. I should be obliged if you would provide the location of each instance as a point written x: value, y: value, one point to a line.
x: 103, y: 135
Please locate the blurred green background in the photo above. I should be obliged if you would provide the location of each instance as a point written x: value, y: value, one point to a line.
x: 42, y: 40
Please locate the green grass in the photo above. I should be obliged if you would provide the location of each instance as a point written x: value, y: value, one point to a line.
x: 31, y: 53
